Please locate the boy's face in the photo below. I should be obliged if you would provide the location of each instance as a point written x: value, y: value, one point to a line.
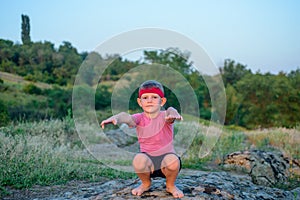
x: 151, y: 102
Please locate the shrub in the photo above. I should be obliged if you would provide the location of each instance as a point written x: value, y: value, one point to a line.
x: 4, y: 117
x: 32, y: 89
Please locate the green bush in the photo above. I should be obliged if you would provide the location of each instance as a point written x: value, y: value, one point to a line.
x: 32, y: 89
x: 4, y: 117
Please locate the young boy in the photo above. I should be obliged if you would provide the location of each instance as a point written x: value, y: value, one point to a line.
x: 154, y: 128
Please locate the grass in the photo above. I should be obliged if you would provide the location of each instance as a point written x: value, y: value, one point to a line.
x: 216, y: 149
x: 50, y: 152
x: 282, y: 139
x: 13, y: 78
x: 46, y: 153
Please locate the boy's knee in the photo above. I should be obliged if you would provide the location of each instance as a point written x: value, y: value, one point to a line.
x: 140, y: 162
x: 171, y: 162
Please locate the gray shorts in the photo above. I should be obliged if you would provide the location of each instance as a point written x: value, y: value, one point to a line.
x: 156, y: 160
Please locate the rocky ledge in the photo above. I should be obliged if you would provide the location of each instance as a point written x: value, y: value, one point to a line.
x: 264, y: 168
x: 195, y: 185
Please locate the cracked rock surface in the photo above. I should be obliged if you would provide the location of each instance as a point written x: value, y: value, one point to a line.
x: 195, y: 185
x: 264, y: 168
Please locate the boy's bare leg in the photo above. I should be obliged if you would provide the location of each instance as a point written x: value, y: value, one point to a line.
x: 142, y: 166
x: 170, y: 168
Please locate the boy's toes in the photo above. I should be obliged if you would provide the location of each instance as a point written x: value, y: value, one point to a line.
x: 177, y: 193
x: 139, y: 190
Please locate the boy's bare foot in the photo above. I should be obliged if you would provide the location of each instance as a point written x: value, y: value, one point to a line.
x: 175, y: 192
x: 140, y: 190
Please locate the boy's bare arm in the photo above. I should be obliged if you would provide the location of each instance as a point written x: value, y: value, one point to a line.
x: 172, y: 115
x: 119, y: 119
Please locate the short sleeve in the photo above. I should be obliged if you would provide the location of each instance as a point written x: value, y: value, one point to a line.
x: 137, y: 118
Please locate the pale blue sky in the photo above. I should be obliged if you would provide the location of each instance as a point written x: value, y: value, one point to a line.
x: 264, y: 35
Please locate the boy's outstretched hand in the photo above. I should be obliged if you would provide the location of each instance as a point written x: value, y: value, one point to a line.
x: 172, y: 118
x: 111, y: 120
x: 172, y: 115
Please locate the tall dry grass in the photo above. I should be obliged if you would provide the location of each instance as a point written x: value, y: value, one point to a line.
x: 46, y: 153
x: 282, y: 139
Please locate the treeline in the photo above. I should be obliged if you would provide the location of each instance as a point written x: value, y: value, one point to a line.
x: 41, y: 61
x: 253, y: 99
x: 261, y: 100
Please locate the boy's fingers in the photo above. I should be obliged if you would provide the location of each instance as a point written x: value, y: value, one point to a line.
x: 102, y: 125
x: 114, y: 122
x: 179, y: 117
x: 174, y: 117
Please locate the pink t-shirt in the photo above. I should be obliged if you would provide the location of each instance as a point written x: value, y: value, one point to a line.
x: 155, y: 136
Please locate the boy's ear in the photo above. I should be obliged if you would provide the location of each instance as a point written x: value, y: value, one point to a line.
x: 163, y: 101
x: 139, y: 102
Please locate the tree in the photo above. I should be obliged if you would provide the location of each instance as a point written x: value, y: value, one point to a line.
x: 25, y: 35
x: 171, y: 57
x: 232, y: 72
x: 233, y: 100
x: 267, y: 100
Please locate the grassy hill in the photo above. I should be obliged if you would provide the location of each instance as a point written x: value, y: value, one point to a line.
x: 15, y: 79
x: 27, y: 100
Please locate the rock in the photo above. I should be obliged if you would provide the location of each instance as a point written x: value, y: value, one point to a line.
x: 296, y: 193
x: 121, y: 137
x: 295, y: 167
x: 265, y: 168
x: 214, y: 185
